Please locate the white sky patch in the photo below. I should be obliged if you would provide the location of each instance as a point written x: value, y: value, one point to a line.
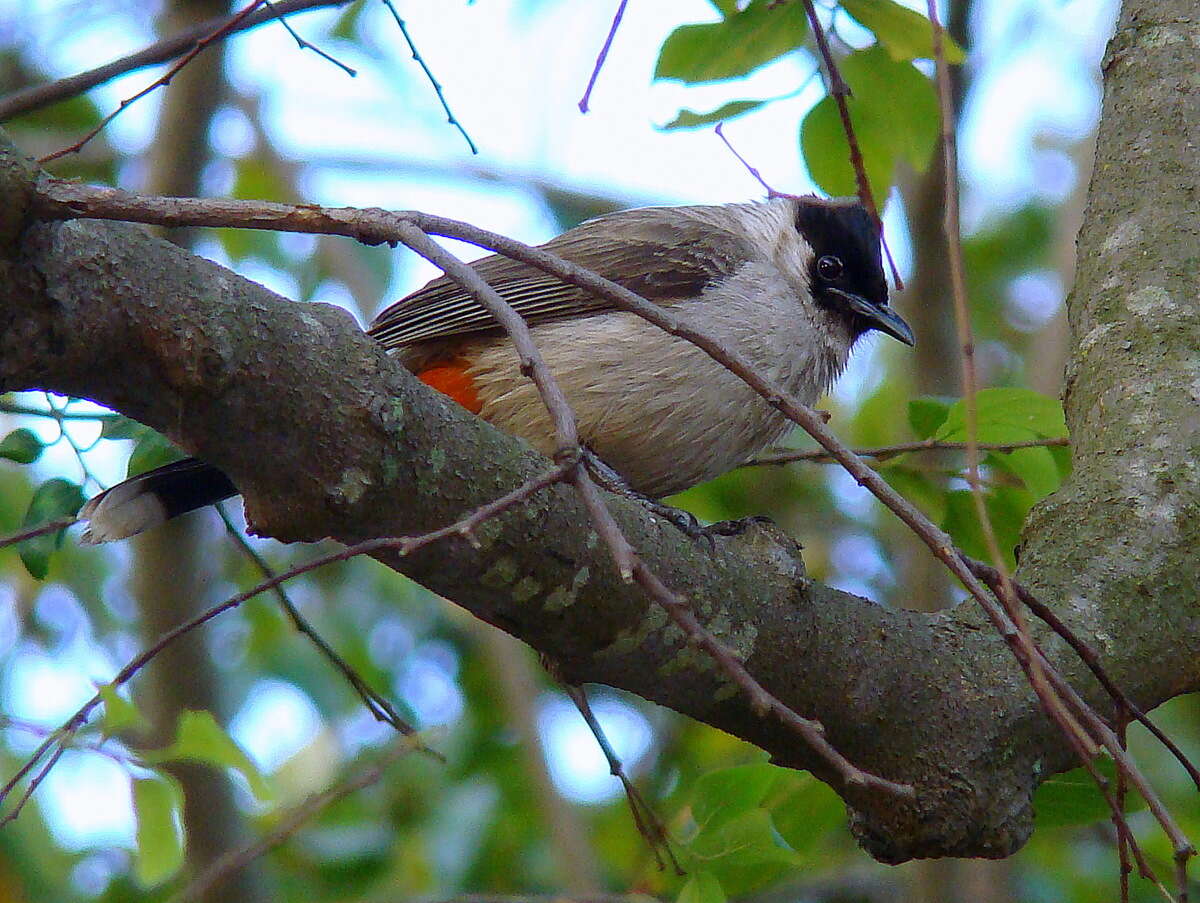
x: 47, y: 689
x: 428, y: 684
x: 1033, y: 299
x: 276, y: 721
x: 87, y: 801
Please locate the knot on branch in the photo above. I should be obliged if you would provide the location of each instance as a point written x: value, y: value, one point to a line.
x: 17, y: 176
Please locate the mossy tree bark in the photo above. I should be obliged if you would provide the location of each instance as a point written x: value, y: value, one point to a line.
x: 328, y: 437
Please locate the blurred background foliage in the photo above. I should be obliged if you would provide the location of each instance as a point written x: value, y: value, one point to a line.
x: 225, y: 736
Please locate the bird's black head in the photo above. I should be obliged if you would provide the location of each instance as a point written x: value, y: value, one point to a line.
x: 846, y: 273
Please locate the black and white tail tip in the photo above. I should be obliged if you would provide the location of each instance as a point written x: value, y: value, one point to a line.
x: 152, y: 498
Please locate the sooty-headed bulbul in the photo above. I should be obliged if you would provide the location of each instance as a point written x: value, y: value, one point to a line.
x: 791, y: 283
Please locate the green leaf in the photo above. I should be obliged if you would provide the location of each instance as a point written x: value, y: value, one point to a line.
x: 121, y: 427
x: 894, y: 111
x: 53, y: 500
x: 157, y: 803
x: 1006, y: 508
x: 917, y: 487
x: 689, y: 119
x: 1007, y: 415
x: 926, y: 414
x: 345, y: 26
x: 720, y: 796
x: 807, y: 813
x: 701, y: 887
x: 21, y: 446
x: 744, y: 853
x: 152, y: 450
x: 1062, y: 460
x: 119, y: 713
x: 198, y: 738
x: 1074, y: 799
x: 1035, y: 467
x: 905, y: 33
x: 726, y: 8
x: 257, y: 177
x: 733, y: 47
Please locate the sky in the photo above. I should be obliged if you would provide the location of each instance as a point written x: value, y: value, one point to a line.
x: 513, y: 73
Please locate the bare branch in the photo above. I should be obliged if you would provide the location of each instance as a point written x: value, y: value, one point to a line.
x: 719, y: 131
x: 38, y: 96
x: 402, y: 545
x: 612, y: 33
x: 377, y: 704
x: 839, y: 91
x: 307, y: 45
x: 40, y: 530
x: 291, y: 822
x: 420, y: 61
x: 223, y: 31
x: 886, y: 452
x: 645, y: 820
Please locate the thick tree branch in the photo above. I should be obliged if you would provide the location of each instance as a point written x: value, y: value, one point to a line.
x: 324, y: 434
x: 327, y: 437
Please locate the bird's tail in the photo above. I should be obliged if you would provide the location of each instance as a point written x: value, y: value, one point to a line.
x: 152, y: 498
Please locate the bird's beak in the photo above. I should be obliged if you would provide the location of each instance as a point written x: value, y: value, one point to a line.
x: 879, y: 316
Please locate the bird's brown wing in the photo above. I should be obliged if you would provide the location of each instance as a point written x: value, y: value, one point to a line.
x: 653, y: 251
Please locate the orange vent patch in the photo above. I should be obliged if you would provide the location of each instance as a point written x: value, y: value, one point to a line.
x: 453, y: 380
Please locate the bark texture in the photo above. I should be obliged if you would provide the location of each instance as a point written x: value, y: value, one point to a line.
x: 328, y: 437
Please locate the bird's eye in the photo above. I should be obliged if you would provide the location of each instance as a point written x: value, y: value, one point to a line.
x: 829, y: 267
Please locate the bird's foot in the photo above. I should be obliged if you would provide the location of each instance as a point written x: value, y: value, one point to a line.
x: 686, y: 522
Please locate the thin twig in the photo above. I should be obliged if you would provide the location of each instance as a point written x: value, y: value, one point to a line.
x: 420, y: 61
x: 1051, y: 702
x: 839, y: 91
x: 26, y: 411
x: 1108, y: 739
x: 1059, y: 699
x: 719, y: 129
x: 645, y: 820
x: 290, y: 822
x: 306, y: 45
x: 962, y: 314
x: 38, y: 96
x: 376, y: 703
x: 79, y: 451
x: 844, y: 772
x: 97, y: 747
x: 40, y: 530
x: 612, y: 33
x: 403, y: 546
x: 1122, y: 843
x: 886, y: 452
x: 1087, y: 655
x: 36, y: 781
x: 227, y: 28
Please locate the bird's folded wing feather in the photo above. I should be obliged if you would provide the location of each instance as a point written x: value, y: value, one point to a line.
x: 647, y: 251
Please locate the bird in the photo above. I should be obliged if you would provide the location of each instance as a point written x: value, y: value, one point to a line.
x: 792, y: 282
